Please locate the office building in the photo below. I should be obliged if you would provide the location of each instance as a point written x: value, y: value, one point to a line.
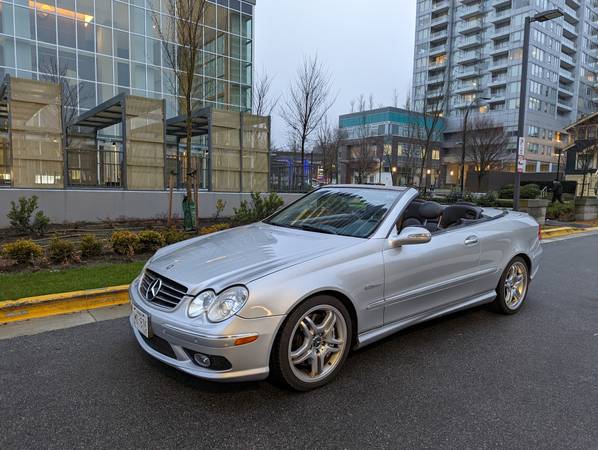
x: 470, y: 51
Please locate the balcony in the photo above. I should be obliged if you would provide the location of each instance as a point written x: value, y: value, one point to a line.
x: 468, y: 72
x: 467, y: 87
x: 567, y: 62
x: 566, y: 90
x: 498, y: 81
x: 440, y: 20
x: 499, y: 64
x: 436, y: 65
x: 500, y: 32
x: 500, y: 16
x: 567, y: 45
x: 564, y: 105
x: 468, y: 42
x: 436, y: 79
x: 566, y: 75
x: 438, y: 35
x: 471, y: 11
x: 469, y: 26
x: 570, y: 14
x: 500, y: 3
x: 569, y: 31
x: 502, y: 47
x: 440, y: 5
x: 435, y: 93
x: 439, y: 49
x: 469, y: 57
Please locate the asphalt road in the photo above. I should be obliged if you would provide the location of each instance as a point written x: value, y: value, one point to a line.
x: 471, y: 380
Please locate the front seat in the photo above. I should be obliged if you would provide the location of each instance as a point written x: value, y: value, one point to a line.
x: 431, y: 211
x: 458, y: 214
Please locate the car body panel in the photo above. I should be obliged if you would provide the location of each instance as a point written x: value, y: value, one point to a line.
x: 387, y: 288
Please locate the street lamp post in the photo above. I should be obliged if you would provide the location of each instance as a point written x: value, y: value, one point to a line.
x: 540, y: 17
x: 464, y: 142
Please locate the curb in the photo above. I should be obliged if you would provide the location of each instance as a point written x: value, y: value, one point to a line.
x: 565, y: 231
x: 64, y: 303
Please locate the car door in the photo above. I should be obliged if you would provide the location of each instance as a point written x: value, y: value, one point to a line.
x: 424, y: 277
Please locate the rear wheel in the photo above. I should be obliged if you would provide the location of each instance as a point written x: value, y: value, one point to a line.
x: 313, y: 343
x: 512, y: 287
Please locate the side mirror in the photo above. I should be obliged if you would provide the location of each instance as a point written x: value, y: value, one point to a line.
x: 410, y: 236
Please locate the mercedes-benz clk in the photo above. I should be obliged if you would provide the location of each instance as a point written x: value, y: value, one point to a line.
x: 338, y: 269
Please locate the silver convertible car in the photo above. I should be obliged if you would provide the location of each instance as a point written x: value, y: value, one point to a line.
x: 337, y: 269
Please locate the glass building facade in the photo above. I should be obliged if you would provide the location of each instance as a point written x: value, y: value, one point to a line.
x: 107, y: 47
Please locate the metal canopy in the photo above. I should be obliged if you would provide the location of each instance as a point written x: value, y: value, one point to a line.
x: 104, y: 115
x: 177, y: 126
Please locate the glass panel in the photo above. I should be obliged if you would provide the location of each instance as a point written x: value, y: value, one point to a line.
x: 154, y: 79
x: 67, y: 61
x: 104, y: 12
x: 105, y: 92
x: 46, y: 27
x: 222, y: 18
x: 122, y: 73
x: 137, y: 48
x: 121, y: 44
x: 246, y: 26
x: 87, y: 95
x: 235, y: 22
x: 26, y: 55
x: 67, y: 32
x: 104, y: 40
x: 121, y: 16
x: 150, y: 26
x: 87, y: 67
x: 86, y: 36
x: 85, y: 7
x: 47, y: 59
x: 154, y: 48
x: 138, y: 73
x: 137, y: 20
x: 6, y: 23
x: 24, y: 22
x: 104, y: 69
x: 7, y: 51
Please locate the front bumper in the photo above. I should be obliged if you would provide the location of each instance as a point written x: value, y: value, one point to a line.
x: 180, y: 338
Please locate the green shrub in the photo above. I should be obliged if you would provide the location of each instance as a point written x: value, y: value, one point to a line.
x: 20, y: 216
x: 60, y: 251
x: 214, y: 228
x: 124, y: 243
x: 172, y: 236
x: 467, y: 197
x: 487, y: 200
x: 90, y: 246
x: 530, y: 191
x: 149, y: 241
x: 261, y: 207
x: 561, y: 211
x: 23, y: 251
x: 507, y: 191
x: 220, y: 205
x: 504, y: 202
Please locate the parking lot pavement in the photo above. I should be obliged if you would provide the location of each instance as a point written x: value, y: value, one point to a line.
x: 474, y: 379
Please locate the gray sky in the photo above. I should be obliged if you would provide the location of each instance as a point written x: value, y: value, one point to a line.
x: 367, y: 46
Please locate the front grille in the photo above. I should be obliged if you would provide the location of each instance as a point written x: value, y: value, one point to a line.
x: 170, y: 293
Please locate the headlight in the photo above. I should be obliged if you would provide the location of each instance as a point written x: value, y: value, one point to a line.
x: 220, y: 307
x: 200, y: 303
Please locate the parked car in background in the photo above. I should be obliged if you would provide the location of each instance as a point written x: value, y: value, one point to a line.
x: 340, y: 268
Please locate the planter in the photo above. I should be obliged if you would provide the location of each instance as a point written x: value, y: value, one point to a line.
x: 535, y: 208
x: 586, y: 208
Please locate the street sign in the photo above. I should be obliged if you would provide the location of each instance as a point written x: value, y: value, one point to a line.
x: 521, y: 165
x: 521, y: 147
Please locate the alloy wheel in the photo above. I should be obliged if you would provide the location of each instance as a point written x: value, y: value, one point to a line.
x: 515, y: 286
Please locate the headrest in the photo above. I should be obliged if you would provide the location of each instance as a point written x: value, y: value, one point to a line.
x: 454, y: 213
x: 430, y: 210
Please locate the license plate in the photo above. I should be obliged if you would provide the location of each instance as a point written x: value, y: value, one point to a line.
x: 141, y: 321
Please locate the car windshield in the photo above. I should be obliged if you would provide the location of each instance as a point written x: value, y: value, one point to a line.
x: 355, y: 212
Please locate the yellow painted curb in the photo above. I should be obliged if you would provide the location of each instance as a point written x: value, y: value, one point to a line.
x: 564, y: 231
x: 64, y: 303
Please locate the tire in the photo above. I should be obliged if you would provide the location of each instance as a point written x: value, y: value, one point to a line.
x: 511, y: 294
x: 312, y: 344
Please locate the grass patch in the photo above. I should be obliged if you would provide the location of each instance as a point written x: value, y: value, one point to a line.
x: 28, y: 284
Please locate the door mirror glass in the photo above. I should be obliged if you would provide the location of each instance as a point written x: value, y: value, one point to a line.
x: 411, y: 236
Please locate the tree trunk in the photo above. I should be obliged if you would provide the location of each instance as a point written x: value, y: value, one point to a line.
x: 189, y: 126
x: 302, y: 163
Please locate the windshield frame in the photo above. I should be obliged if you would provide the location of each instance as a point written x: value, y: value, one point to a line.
x: 391, y: 207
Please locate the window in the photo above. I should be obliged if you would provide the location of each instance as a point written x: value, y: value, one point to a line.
x: 122, y: 73
x: 121, y: 16
x: 104, y: 69
x: 121, y: 44
x: 46, y: 27
x: 66, y: 32
x: 104, y: 40
x: 26, y: 59
x: 86, y: 36
x: 67, y: 62
x: 87, y: 67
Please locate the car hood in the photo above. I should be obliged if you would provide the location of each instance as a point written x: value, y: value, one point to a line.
x: 241, y: 255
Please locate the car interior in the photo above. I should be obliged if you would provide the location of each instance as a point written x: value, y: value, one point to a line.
x: 436, y: 217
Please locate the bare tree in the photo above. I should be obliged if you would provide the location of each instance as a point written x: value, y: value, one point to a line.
x: 395, y: 98
x: 411, y: 149
x: 433, y: 108
x: 328, y: 143
x: 487, y: 145
x: 182, y: 39
x: 308, y: 101
x: 69, y: 91
x: 263, y: 101
x: 363, y: 154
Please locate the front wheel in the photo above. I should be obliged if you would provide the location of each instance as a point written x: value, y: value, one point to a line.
x: 312, y: 344
x: 512, y: 287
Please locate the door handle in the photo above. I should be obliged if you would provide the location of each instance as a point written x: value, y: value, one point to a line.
x: 471, y: 240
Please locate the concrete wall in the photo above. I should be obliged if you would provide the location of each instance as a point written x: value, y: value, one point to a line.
x: 72, y: 205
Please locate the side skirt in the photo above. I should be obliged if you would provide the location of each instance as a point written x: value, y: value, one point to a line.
x: 380, y: 333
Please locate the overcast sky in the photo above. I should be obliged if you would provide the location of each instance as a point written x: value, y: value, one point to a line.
x: 367, y: 46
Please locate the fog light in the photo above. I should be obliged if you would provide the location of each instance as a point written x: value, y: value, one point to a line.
x: 202, y: 360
